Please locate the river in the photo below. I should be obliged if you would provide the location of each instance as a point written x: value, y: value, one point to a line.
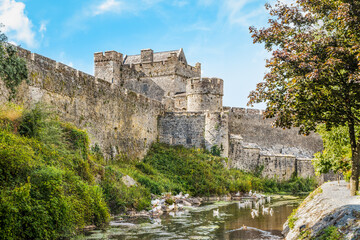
x: 233, y: 221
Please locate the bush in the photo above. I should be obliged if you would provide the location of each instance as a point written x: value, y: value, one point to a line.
x: 118, y: 196
x: 47, y: 188
x: 194, y: 170
x: 292, y: 219
x: 330, y: 233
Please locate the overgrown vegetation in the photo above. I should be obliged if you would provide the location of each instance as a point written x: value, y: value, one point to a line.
x: 336, y: 155
x: 47, y: 186
x: 292, y: 219
x: 12, y: 68
x: 330, y: 233
x: 52, y: 184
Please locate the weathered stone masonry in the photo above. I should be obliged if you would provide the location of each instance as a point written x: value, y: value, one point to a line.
x: 135, y: 100
x: 117, y: 119
x: 254, y: 142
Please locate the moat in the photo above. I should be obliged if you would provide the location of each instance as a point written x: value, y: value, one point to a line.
x: 203, y: 223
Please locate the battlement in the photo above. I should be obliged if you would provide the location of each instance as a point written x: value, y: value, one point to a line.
x: 245, y: 111
x: 205, y: 86
x: 108, y: 56
x: 204, y: 94
x: 147, y: 56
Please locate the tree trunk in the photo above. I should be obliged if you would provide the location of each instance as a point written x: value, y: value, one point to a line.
x: 355, y: 161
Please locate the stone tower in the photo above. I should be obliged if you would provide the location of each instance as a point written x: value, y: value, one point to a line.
x: 107, y: 66
x: 204, y: 94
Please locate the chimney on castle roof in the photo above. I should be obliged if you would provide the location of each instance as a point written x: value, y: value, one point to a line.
x: 147, y: 56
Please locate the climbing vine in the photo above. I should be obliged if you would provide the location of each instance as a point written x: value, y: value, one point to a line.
x: 13, y: 68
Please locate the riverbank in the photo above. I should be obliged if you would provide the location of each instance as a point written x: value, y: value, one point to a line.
x: 53, y: 184
x: 229, y: 220
x: 328, y: 212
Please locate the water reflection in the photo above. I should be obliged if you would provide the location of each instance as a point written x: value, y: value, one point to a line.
x: 233, y: 221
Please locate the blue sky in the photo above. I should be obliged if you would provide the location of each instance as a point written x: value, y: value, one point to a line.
x: 215, y: 33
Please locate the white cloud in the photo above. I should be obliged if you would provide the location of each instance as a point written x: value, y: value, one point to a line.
x: 206, y: 2
x: 43, y: 28
x: 180, y: 3
x: 18, y: 26
x: 108, y: 6
x: 244, y: 12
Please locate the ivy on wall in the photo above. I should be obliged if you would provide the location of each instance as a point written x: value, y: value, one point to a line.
x: 13, y: 68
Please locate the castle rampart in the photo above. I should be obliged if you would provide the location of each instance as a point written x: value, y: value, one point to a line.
x: 117, y: 119
x: 254, y: 143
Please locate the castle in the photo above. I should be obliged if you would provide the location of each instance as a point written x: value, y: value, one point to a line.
x: 193, y: 114
x: 135, y: 100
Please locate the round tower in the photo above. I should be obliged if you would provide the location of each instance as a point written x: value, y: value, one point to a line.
x: 204, y: 94
x: 107, y: 66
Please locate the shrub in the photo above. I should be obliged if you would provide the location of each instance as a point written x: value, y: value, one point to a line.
x: 47, y: 188
x: 292, y: 219
x: 330, y: 233
x: 118, y: 196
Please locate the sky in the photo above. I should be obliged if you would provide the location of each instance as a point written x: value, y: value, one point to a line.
x: 212, y: 32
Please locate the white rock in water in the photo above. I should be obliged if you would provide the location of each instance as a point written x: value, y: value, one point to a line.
x: 155, y: 202
x: 186, y: 203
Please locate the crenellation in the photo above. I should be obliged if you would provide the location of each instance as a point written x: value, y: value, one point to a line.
x: 147, y: 56
x: 168, y: 70
x: 44, y: 61
x: 251, y: 111
x: 204, y: 94
x: 108, y: 56
x: 69, y: 70
x: 24, y: 53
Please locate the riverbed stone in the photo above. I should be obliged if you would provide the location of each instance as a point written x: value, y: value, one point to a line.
x: 186, y: 203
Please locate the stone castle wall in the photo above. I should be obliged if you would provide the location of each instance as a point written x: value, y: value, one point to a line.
x: 254, y: 143
x: 195, y: 129
x: 186, y: 128
x: 217, y: 131
x: 169, y: 75
x: 204, y: 94
x: 258, y: 132
x: 119, y: 120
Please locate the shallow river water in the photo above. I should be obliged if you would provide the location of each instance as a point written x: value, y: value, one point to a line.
x: 203, y: 223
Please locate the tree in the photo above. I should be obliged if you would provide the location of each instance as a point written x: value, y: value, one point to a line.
x: 336, y: 155
x: 314, y: 71
x: 12, y: 68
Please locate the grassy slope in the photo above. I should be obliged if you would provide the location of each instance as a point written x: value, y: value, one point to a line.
x: 51, y: 184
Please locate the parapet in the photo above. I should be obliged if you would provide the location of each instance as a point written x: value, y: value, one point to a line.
x: 108, y: 56
x: 205, y: 86
x: 147, y: 56
x: 246, y: 111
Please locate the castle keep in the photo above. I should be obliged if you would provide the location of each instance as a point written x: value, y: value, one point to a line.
x: 135, y: 100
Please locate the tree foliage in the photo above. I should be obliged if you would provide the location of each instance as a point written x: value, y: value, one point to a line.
x: 314, y: 71
x: 336, y: 155
x: 12, y: 68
